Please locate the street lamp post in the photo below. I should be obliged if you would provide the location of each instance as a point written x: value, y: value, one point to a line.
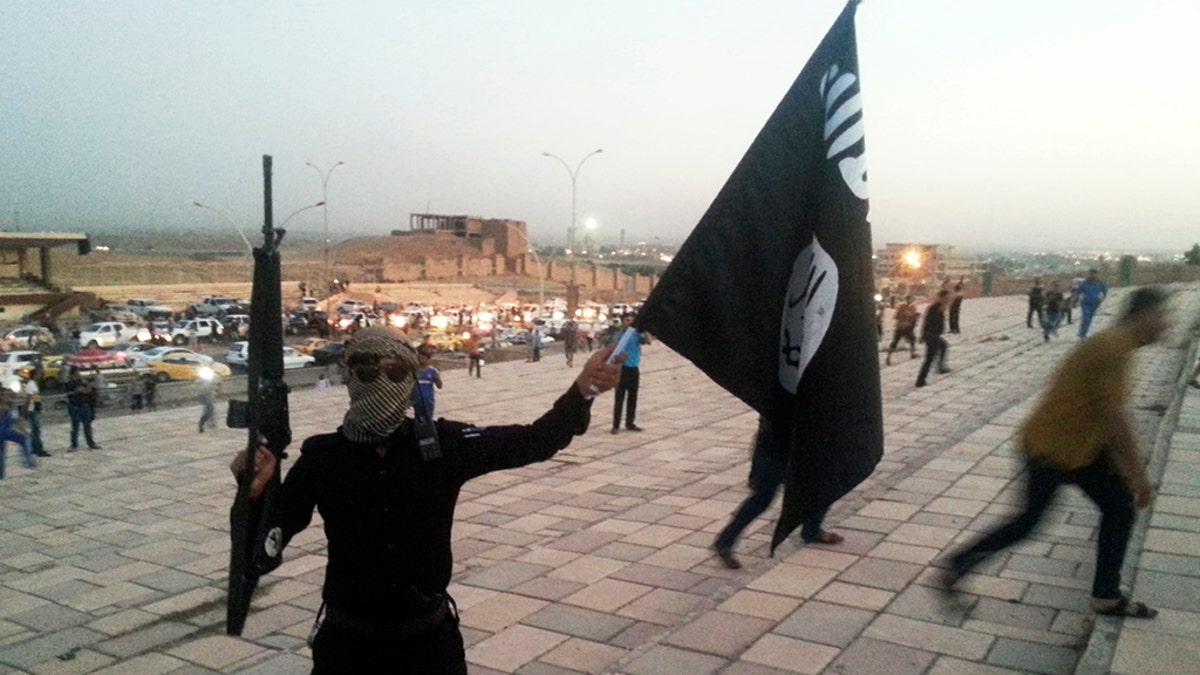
x: 249, y: 248
x: 573, y: 175
x: 297, y: 211
x: 325, y: 198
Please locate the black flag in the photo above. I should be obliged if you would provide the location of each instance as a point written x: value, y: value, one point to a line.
x: 772, y: 294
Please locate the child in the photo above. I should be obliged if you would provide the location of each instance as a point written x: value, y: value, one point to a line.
x: 428, y: 377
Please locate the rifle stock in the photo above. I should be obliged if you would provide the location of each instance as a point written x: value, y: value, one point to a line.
x: 256, y: 538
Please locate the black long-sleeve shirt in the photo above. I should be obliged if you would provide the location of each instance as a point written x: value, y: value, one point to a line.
x: 935, y: 322
x: 388, y: 519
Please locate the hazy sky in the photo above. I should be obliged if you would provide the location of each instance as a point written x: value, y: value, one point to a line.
x: 1023, y: 123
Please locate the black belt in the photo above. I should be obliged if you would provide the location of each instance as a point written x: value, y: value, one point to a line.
x: 388, y: 628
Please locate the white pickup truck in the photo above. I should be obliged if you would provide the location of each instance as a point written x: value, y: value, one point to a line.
x: 105, y: 334
x: 148, y: 309
x: 211, y: 305
x: 196, y: 329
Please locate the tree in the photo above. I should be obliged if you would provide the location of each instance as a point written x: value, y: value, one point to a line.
x: 1192, y: 257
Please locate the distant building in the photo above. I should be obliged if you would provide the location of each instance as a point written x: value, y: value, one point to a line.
x: 490, y: 236
x: 911, y: 267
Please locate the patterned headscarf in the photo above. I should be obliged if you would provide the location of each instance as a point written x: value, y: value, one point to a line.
x: 377, y: 408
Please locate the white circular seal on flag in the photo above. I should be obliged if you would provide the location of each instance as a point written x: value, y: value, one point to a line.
x: 807, y: 312
x: 273, y: 543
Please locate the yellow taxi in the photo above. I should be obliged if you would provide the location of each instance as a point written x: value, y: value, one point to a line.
x: 186, y: 367
x: 443, y: 342
x: 309, y: 345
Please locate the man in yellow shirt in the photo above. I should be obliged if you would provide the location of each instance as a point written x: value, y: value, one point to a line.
x: 1080, y: 433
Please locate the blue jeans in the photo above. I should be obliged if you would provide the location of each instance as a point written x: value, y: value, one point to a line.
x: 1086, y: 311
x: 10, y: 434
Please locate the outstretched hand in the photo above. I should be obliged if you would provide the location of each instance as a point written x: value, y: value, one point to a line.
x: 598, y: 375
x: 264, y: 468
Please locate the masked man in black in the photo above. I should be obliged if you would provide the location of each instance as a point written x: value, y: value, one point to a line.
x: 388, y: 507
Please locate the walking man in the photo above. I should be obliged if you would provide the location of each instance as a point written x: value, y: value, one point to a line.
x: 1091, y: 293
x: 1036, y: 298
x: 931, y: 334
x: 768, y: 469
x: 1081, y: 433
x: 956, y: 308
x: 904, y: 327
x: 627, y: 389
x: 32, y: 409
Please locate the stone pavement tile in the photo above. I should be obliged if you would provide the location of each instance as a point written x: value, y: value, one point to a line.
x: 1142, y: 650
x: 283, y: 664
x: 48, y: 646
x: 189, y: 601
x: 1032, y: 617
x: 653, y: 575
x: 1168, y: 591
x: 922, y: 535
x: 662, y: 606
x: 1173, y: 542
x: 764, y: 605
x: 793, y: 580
x: 217, y: 652
x: 148, y: 638
x: 948, y: 665
x: 587, y: 569
x: 638, y: 635
x: 874, y: 656
x: 720, y: 633
x: 825, y: 623
x: 123, y: 621
x: 578, y: 622
x: 546, y: 556
x: 855, y: 596
x: 656, y: 536
x: 81, y: 661
x: 822, y: 557
x: 263, y: 623
x: 503, y: 576
x: 679, y: 556
x: 500, y: 611
x: 921, y: 555
x: 545, y: 588
x: 622, y: 551
x: 746, y: 668
x: 584, y: 655
x: 888, y: 510
x: 585, y: 541
x: 786, y: 653
x: 1071, y: 638
x: 607, y: 595
x: 662, y: 659
x: 1031, y: 657
x: 147, y: 664
x: 514, y: 647
x: 49, y: 618
x: 957, y: 506
x: 930, y: 636
x: 889, y: 575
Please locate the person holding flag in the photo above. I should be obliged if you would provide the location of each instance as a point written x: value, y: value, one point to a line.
x: 787, y: 248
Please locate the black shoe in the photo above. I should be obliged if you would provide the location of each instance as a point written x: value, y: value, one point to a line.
x: 943, y: 371
x: 43, y: 454
x: 633, y: 427
x: 94, y: 447
x: 72, y: 449
x: 920, y: 383
x: 614, y: 431
x: 727, y: 557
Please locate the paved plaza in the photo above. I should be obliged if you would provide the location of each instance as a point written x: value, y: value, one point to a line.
x: 114, y: 561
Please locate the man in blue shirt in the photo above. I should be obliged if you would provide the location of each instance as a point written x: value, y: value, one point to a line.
x: 627, y: 387
x: 1091, y: 293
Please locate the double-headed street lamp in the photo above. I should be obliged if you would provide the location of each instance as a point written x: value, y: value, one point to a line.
x: 573, y: 175
x: 249, y: 248
x: 325, y: 198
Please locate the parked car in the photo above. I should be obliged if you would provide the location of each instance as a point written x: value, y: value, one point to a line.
x: 307, y: 303
x: 311, y: 344
x: 29, y: 337
x: 186, y: 367
x: 105, y: 334
x: 294, y: 359
x: 129, y: 351
x: 11, y: 362
x: 199, y: 329
x: 167, y: 351
x: 330, y: 353
x: 239, y: 355
x: 211, y: 305
x: 148, y: 309
x: 348, y: 306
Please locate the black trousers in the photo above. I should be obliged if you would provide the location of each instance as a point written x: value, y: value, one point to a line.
x: 627, y: 386
x: 1101, y: 483
x: 935, y: 348
x: 338, y: 650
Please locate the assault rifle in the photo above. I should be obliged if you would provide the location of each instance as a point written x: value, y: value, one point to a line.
x: 254, y: 524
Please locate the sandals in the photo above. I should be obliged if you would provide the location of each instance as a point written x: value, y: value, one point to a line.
x: 1125, y: 607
